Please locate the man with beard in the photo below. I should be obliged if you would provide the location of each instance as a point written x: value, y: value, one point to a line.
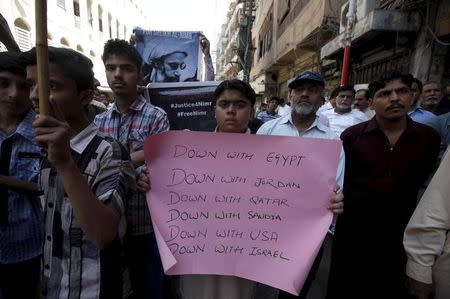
x: 431, y: 96
x: 343, y: 116
x: 166, y: 62
x: 306, y: 96
x: 387, y: 160
x: 417, y: 112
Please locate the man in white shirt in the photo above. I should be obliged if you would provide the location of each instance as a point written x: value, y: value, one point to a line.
x: 283, y: 108
x: 427, y: 239
x: 362, y: 102
x: 306, y: 92
x: 343, y: 116
x: 331, y: 103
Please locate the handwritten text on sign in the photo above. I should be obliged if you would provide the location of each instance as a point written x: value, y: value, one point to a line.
x: 236, y: 204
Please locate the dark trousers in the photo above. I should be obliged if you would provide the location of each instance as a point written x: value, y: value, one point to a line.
x: 20, y: 280
x: 144, y: 263
x: 309, y: 279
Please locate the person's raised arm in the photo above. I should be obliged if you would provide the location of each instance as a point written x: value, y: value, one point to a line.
x: 98, y: 220
x: 6, y: 36
x: 209, y: 68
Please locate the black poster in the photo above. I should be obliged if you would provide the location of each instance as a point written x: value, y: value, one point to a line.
x: 189, y: 105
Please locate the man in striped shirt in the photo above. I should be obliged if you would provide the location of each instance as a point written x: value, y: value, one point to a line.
x: 130, y: 120
x: 84, y: 180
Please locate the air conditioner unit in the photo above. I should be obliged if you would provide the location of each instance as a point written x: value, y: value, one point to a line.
x: 363, y: 8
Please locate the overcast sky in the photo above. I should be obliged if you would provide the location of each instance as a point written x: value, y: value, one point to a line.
x: 188, y: 15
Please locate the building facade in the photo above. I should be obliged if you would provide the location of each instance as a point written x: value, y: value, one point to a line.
x: 408, y: 35
x: 234, y: 47
x: 83, y: 25
x: 288, y: 36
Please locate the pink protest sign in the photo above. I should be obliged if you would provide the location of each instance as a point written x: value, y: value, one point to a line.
x: 236, y: 204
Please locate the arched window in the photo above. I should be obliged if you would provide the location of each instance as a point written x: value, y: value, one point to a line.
x: 22, y: 34
x: 64, y: 42
x: 100, y: 16
x: 80, y: 49
x: 110, y: 25
x: 49, y: 39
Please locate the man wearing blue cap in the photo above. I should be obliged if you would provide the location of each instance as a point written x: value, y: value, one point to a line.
x: 306, y: 92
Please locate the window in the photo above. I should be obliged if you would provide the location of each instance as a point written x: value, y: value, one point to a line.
x: 49, y: 40
x: 283, y: 10
x: 89, y: 13
x: 61, y: 3
x: 76, y: 8
x: 100, y: 22
x: 22, y: 35
x: 76, y: 13
x: 80, y: 49
x: 64, y: 43
x: 110, y: 25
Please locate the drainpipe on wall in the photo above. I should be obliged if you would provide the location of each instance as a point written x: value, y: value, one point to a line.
x: 347, y: 41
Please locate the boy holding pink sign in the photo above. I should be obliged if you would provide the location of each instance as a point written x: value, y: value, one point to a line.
x: 233, y: 109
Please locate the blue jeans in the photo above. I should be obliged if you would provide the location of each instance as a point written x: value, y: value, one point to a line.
x: 144, y: 263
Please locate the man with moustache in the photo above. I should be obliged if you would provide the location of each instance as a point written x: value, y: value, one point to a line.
x: 343, y: 116
x: 418, y: 113
x: 387, y: 160
x: 431, y: 96
x: 362, y: 102
x: 306, y: 92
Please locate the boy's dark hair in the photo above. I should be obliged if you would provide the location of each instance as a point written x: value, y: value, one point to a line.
x: 346, y: 87
x: 334, y: 92
x: 74, y: 64
x: 13, y: 63
x: 387, y: 77
x: 365, y: 91
x: 123, y: 48
x: 274, y: 98
x: 235, y: 84
x: 419, y: 84
x: 433, y: 82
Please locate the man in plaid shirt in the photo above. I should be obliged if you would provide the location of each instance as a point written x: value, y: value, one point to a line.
x: 130, y: 120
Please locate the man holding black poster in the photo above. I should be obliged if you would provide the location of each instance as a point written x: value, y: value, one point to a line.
x: 130, y: 120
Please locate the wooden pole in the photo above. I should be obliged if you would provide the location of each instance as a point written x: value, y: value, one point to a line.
x: 42, y: 56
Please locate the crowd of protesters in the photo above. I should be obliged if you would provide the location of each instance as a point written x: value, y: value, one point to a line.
x: 74, y: 222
